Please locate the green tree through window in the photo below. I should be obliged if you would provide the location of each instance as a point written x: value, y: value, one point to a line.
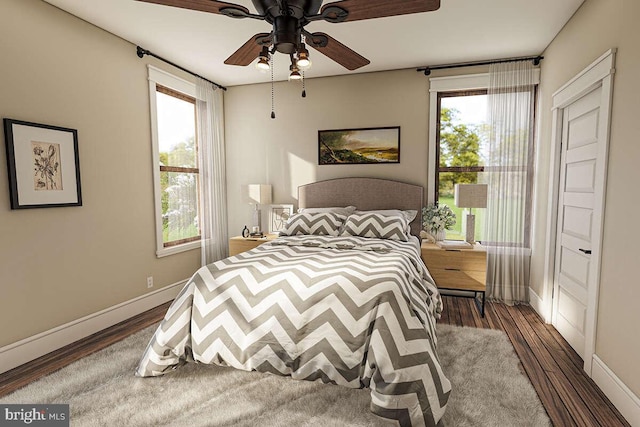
x: 461, y: 136
x: 178, y: 163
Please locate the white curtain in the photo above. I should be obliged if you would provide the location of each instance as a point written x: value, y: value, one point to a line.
x: 511, y: 100
x: 213, y: 185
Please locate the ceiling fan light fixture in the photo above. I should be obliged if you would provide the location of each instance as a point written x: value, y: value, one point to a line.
x: 263, y: 60
x: 295, y: 73
x: 263, y: 64
x: 303, y: 57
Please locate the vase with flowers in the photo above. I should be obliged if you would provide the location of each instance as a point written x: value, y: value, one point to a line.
x: 436, y: 219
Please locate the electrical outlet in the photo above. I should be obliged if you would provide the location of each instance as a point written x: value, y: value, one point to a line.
x: 150, y: 282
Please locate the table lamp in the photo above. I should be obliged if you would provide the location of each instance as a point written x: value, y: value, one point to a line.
x: 259, y: 194
x: 470, y: 196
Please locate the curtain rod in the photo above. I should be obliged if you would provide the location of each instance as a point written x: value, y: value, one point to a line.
x: 427, y: 70
x: 142, y: 52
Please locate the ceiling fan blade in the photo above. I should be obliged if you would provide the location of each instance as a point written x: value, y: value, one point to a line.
x: 201, y: 5
x: 312, y: 7
x: 335, y: 50
x: 248, y: 51
x: 370, y: 9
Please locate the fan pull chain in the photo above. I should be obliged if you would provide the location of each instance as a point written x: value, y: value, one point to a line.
x: 273, y: 110
x: 304, y: 92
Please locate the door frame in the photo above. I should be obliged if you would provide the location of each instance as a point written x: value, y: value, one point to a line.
x: 600, y: 72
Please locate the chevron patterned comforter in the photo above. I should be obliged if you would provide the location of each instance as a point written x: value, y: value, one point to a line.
x: 358, y: 312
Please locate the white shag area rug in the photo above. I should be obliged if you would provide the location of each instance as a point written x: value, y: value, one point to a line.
x: 489, y: 389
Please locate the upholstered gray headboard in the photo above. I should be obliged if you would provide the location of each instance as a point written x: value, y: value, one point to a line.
x: 365, y: 194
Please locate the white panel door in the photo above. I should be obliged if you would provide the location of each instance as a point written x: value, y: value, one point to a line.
x: 579, y: 215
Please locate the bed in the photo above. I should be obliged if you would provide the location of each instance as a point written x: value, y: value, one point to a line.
x: 343, y: 297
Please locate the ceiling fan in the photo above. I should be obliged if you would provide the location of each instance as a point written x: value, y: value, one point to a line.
x: 288, y: 19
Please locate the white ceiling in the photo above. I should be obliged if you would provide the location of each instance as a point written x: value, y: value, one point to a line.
x: 460, y: 31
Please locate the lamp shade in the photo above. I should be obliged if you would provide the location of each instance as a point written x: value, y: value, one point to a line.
x: 260, y: 194
x: 470, y: 195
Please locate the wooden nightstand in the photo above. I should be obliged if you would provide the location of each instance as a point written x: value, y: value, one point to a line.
x: 458, y: 269
x: 239, y: 244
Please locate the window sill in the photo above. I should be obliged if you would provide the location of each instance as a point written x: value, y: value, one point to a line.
x: 172, y: 250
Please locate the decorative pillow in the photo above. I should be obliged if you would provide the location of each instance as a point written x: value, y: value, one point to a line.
x: 320, y: 224
x: 371, y: 224
x: 346, y: 211
x: 409, y: 215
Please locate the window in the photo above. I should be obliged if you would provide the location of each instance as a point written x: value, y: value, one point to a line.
x: 175, y: 151
x: 458, y: 149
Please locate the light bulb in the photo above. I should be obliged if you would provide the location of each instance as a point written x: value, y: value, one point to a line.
x: 263, y: 60
x: 303, y: 57
x: 263, y: 64
x: 295, y: 75
x: 304, y: 63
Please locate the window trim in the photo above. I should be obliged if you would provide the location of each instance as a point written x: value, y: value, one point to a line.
x: 437, y: 85
x: 159, y: 77
x: 462, y: 83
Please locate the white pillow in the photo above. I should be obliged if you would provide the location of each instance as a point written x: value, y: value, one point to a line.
x: 320, y: 224
x: 376, y: 225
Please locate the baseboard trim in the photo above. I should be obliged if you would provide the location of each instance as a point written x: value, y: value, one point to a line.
x: 618, y: 393
x: 31, y: 348
x: 537, y: 304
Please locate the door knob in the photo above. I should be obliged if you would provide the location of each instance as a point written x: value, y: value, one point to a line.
x: 586, y: 251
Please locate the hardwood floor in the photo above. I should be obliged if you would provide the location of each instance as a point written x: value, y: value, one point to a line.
x: 569, y: 396
x: 24, y: 374
x: 555, y: 370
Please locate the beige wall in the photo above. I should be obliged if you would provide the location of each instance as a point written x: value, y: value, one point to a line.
x: 598, y: 26
x: 283, y: 152
x: 60, y: 264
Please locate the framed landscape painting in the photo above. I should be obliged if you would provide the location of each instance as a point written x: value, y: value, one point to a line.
x: 359, y: 146
x: 43, y: 166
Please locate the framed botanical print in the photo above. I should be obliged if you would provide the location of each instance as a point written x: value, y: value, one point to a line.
x: 43, y: 165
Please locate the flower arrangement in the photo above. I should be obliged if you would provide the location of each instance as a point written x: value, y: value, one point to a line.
x: 437, y: 218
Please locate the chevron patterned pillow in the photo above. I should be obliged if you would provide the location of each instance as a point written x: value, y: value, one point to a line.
x: 376, y: 225
x: 319, y: 224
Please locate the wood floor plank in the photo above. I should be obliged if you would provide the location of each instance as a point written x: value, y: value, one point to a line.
x: 553, y: 404
x: 594, y: 399
x: 478, y: 320
x: 565, y: 387
x: 454, y: 313
x: 566, y: 347
x: 466, y: 316
x: 492, y: 318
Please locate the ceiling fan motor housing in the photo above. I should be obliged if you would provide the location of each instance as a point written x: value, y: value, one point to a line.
x: 286, y: 34
x: 289, y: 17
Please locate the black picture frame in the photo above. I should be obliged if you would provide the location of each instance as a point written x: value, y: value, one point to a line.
x: 378, y: 145
x: 43, y: 165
